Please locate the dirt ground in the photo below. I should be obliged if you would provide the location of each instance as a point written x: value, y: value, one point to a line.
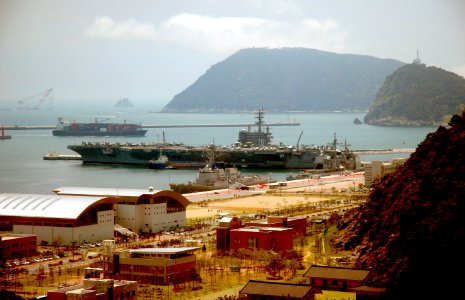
x: 291, y: 194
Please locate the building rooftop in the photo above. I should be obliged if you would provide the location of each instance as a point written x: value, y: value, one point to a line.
x: 90, y: 191
x: 276, y: 289
x: 49, y: 206
x: 172, y: 250
x: 258, y: 229
x: 336, y: 273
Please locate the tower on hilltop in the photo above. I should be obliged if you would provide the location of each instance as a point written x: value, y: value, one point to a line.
x: 417, y: 60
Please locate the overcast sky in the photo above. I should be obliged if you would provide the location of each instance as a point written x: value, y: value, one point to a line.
x: 149, y: 51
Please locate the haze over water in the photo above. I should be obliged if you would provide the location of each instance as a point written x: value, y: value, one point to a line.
x: 23, y: 170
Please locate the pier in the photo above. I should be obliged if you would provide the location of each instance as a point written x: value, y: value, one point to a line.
x: 383, y: 151
x: 47, y: 127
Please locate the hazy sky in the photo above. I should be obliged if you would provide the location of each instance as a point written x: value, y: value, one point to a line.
x: 149, y: 51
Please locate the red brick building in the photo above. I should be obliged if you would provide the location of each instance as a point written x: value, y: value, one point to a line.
x: 275, y: 233
x: 18, y: 245
x: 298, y: 224
x: 265, y: 238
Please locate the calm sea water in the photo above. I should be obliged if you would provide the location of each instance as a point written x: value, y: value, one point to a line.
x: 23, y: 170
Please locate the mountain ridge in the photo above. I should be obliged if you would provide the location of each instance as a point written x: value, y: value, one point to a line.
x: 286, y: 79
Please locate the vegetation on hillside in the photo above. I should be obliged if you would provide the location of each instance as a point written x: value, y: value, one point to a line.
x: 410, y: 233
x: 286, y: 79
x: 418, y: 95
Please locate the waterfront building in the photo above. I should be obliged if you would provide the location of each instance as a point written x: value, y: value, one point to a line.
x: 64, y: 219
x: 81, y: 215
x: 142, y: 211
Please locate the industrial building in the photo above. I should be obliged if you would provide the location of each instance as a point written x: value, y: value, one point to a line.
x: 64, y: 219
x: 82, y: 215
x: 140, y: 210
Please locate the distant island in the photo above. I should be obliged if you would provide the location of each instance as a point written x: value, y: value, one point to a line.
x: 286, y: 79
x: 124, y: 102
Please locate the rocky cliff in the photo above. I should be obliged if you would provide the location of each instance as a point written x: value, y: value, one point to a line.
x: 411, y: 231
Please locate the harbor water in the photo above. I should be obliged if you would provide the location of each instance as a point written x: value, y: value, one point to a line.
x: 23, y: 169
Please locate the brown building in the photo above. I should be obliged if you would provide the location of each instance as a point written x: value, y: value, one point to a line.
x: 344, y: 280
x: 14, y: 246
x: 259, y: 290
x: 153, y: 265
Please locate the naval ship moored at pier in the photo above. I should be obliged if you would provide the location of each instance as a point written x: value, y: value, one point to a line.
x: 254, y: 150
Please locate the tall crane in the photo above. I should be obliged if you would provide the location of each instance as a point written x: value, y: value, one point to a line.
x: 43, y: 96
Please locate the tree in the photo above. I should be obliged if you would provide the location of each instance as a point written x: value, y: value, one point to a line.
x: 276, y: 265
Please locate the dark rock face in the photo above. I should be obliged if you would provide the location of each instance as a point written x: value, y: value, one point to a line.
x: 411, y: 231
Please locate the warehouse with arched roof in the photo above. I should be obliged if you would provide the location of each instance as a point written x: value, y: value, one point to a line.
x: 64, y: 219
x: 140, y: 210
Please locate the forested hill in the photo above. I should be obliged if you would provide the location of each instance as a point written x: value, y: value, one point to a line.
x: 286, y: 79
x: 411, y: 231
x: 416, y: 95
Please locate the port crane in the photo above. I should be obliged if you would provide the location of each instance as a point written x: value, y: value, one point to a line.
x: 44, y: 95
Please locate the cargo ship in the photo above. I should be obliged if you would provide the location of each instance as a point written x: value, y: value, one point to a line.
x: 253, y: 150
x: 97, y: 128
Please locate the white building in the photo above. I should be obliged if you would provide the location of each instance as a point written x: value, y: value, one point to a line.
x: 64, y: 219
x: 376, y: 169
x: 141, y: 210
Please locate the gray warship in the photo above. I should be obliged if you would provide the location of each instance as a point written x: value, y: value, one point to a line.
x: 253, y: 150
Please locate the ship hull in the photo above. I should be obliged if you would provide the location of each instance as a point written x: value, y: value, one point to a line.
x: 197, y: 156
x: 99, y: 133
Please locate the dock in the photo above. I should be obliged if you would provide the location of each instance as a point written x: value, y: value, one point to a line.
x: 384, y: 151
x: 50, y: 127
x: 56, y: 156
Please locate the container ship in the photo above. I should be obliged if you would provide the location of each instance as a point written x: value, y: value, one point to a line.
x: 97, y: 128
x: 254, y: 150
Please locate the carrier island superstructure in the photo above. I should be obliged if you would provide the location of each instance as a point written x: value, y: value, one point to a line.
x: 254, y: 150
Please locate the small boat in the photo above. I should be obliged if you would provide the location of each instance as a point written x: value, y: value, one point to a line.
x: 160, y: 163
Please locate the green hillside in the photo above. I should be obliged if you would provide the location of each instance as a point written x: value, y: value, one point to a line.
x: 418, y: 95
